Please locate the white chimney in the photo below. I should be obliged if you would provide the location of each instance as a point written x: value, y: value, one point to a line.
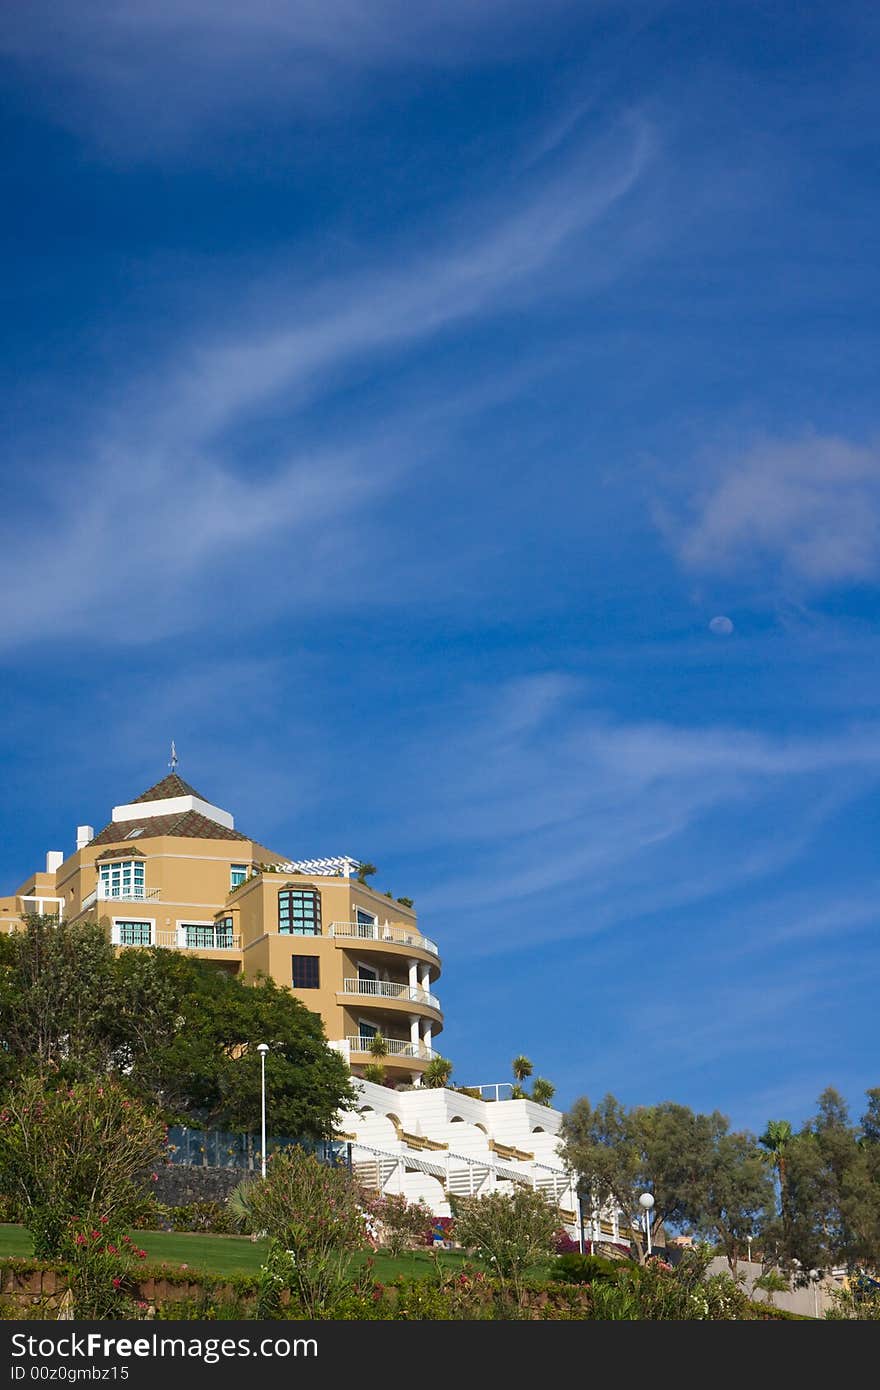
x: 54, y: 860
x: 84, y: 833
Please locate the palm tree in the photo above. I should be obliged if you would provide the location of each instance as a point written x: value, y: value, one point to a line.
x: 378, y: 1046
x: 776, y: 1139
x: 437, y: 1073
x: 521, y: 1068
x: 543, y: 1090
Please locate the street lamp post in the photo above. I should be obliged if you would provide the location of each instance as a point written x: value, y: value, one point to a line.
x: 646, y: 1202
x: 263, y: 1048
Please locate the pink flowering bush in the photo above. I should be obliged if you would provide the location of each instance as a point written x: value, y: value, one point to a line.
x: 313, y: 1215
x: 100, y: 1263
x: 564, y: 1245
x: 76, y: 1154
x: 402, y: 1224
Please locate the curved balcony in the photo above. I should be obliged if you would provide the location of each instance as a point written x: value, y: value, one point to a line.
x: 395, y: 1047
x: 384, y: 934
x: 386, y: 989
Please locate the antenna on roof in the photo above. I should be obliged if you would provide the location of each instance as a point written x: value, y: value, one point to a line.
x: 174, y: 758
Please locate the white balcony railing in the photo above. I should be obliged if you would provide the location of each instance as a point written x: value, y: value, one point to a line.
x: 174, y: 940
x: 105, y: 894
x: 224, y: 942
x: 391, y: 932
x: 386, y: 989
x: 395, y: 1047
x: 126, y: 895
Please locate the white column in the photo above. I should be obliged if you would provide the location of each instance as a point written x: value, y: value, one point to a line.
x: 426, y: 1032
x: 414, y: 1034
x: 426, y: 979
x: 413, y: 974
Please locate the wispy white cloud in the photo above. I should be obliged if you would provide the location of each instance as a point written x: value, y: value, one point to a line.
x: 621, y: 817
x: 160, y: 515
x: 151, y: 73
x: 804, y: 512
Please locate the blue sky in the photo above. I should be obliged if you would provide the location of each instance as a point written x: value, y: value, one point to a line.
x: 391, y: 398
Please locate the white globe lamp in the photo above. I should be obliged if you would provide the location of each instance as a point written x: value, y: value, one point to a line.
x: 646, y: 1202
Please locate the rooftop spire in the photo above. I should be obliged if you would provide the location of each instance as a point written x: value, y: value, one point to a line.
x: 174, y: 758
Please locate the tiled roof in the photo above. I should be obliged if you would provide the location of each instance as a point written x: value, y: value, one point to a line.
x: 172, y: 785
x: 129, y: 852
x: 190, y: 825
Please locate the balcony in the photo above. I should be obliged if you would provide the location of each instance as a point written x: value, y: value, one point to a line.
x: 103, y: 894
x: 388, y: 933
x: 224, y: 942
x: 42, y: 906
x: 386, y: 989
x: 176, y: 940
x: 395, y: 1047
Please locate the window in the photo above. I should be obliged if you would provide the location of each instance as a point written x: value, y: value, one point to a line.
x: 366, y: 1032
x: 206, y: 936
x: 237, y: 874
x: 135, y: 933
x: 123, y: 878
x: 366, y: 924
x: 299, y: 912
x: 306, y: 972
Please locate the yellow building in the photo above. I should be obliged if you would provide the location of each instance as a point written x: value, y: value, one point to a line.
x: 170, y: 869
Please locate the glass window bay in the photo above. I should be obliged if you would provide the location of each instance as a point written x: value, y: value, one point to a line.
x: 299, y: 912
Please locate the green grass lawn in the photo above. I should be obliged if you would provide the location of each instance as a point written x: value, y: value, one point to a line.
x: 236, y: 1254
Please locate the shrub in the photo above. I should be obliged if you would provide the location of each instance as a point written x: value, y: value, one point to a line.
x: 404, y: 1223
x: 201, y: 1216
x: 100, y: 1265
x: 861, y: 1304
x: 564, y: 1245
x: 313, y: 1215
x: 511, y: 1233
x: 76, y: 1155
x: 575, y: 1268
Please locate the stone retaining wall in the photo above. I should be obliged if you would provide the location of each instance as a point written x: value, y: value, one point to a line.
x: 180, y: 1185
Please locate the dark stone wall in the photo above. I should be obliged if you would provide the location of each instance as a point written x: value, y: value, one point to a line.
x: 179, y: 1184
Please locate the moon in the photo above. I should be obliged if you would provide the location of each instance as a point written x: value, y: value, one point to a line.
x: 721, y: 626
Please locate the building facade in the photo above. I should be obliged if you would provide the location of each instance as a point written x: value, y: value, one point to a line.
x: 170, y: 869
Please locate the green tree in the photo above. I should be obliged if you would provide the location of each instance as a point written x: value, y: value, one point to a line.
x: 207, y: 1066
x: 666, y: 1149
x: 314, y: 1217
x: 61, y: 1013
x: 738, y: 1196
x: 832, y: 1212
x: 80, y: 1154
x: 511, y: 1233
